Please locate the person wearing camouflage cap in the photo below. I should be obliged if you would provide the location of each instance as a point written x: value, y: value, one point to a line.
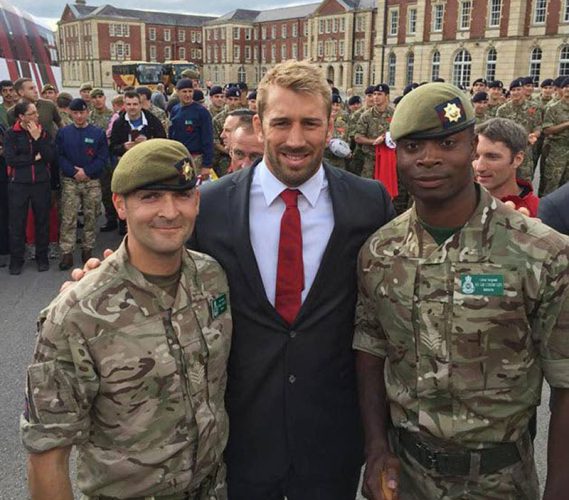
x: 221, y: 159
x: 85, y: 93
x: 528, y: 115
x: 495, y: 97
x: 462, y: 310
x: 49, y: 92
x: 134, y: 356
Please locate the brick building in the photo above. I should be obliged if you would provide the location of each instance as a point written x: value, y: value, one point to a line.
x: 461, y: 40
x: 91, y: 39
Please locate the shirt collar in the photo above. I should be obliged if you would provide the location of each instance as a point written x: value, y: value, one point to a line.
x: 144, y: 121
x: 273, y: 187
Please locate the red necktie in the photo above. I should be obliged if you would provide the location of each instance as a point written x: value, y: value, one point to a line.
x: 290, y: 268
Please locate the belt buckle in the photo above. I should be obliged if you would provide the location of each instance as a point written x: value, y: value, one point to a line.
x: 429, y: 457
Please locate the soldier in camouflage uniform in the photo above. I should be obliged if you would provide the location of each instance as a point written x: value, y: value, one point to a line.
x: 463, y: 308
x: 146, y: 101
x: 85, y: 93
x: 100, y: 117
x: 356, y: 162
x: 63, y: 101
x: 372, y: 126
x: 555, y: 172
x: 340, y: 131
x: 495, y: 97
x: 480, y: 103
x: 83, y: 155
x: 130, y: 364
x: 217, y: 101
x: 221, y: 159
x: 526, y: 114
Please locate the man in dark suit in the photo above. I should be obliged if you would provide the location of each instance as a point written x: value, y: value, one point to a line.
x: 554, y: 209
x: 287, y: 232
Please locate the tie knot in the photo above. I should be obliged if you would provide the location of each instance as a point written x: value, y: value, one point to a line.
x: 290, y: 197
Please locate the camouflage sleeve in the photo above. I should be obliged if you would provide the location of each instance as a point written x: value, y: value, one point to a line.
x: 368, y: 334
x: 361, y: 127
x: 61, y: 384
x: 551, y: 327
x: 550, y: 118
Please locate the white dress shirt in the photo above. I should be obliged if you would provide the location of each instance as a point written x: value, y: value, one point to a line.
x: 265, y: 212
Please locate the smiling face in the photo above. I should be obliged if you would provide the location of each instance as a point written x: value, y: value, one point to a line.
x: 437, y: 171
x: 495, y: 165
x: 294, y: 130
x: 159, y: 222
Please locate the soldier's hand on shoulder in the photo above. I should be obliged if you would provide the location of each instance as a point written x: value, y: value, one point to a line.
x: 78, y: 274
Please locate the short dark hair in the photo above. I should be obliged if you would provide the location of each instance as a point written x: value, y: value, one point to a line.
x: 19, y: 83
x: 6, y: 83
x: 131, y: 94
x: 63, y: 101
x: 504, y: 130
x: 245, y: 117
x: 145, y: 91
x: 22, y: 108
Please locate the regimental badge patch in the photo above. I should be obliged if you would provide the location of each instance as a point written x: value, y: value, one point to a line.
x: 451, y: 112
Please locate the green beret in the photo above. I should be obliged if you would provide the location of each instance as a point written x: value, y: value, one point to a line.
x: 155, y: 164
x: 97, y: 92
x: 430, y: 111
x: 190, y: 73
x: 48, y: 86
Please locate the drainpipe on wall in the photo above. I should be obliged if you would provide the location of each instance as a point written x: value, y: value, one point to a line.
x: 384, y: 40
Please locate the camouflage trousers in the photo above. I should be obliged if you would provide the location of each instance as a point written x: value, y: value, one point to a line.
x: 555, y: 171
x: 368, y: 168
x: 525, y: 170
x: 75, y: 195
x: 515, y: 482
x: 107, y: 196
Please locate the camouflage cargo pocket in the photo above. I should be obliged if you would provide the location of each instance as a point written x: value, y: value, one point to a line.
x: 490, y: 338
x: 50, y: 394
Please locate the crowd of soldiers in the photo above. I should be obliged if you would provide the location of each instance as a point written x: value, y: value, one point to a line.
x: 309, y: 330
x: 73, y: 170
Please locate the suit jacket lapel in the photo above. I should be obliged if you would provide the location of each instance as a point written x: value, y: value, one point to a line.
x: 239, y: 197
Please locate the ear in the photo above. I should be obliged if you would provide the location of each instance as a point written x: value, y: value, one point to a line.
x: 474, y: 146
x: 119, y: 202
x: 518, y: 159
x: 258, y: 128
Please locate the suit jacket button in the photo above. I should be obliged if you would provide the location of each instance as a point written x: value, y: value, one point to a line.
x: 292, y: 334
x: 292, y: 379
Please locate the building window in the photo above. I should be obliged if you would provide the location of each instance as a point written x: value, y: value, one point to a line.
x: 305, y: 51
x: 540, y: 11
x: 535, y: 65
x: 181, y: 36
x: 273, y: 53
x: 199, y: 37
x: 360, y: 23
x: 255, y: 53
x: 566, y: 12
x: 320, y: 49
x: 342, y: 24
x: 248, y: 53
x: 208, y: 35
x: 273, y: 32
x: 182, y: 53
x: 193, y: 36
x: 264, y: 33
x: 248, y: 33
x: 241, y: 74
x: 321, y: 27
x: 438, y: 15
x: 336, y: 25
x: 167, y: 35
x: 436, y: 65
x: 412, y: 15
x: 461, y: 69
x: 283, y: 52
x: 305, y: 28
x: 491, y: 60
x: 465, y: 10
x: 341, y: 48
x: 358, y: 75
x: 235, y: 33
x: 215, y: 55
x: 393, y: 22
x: 263, y: 54
x: 236, y: 53
x: 152, y: 52
x: 295, y: 30
x: 223, y: 54
x: 328, y: 25
x: 167, y: 53
x: 222, y: 30
x: 495, y: 12
x: 283, y: 31
x: 564, y: 61
x: 391, y: 67
x: 294, y: 51
x: 410, y: 68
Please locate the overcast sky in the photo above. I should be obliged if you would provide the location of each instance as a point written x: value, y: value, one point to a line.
x: 49, y: 11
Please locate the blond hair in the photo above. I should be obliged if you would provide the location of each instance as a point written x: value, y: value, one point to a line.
x: 298, y: 76
x: 118, y: 99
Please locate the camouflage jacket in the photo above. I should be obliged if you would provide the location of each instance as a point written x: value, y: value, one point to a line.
x: 100, y: 119
x: 555, y: 115
x: 482, y: 118
x: 468, y: 328
x: 493, y: 109
x: 135, y: 381
x: 161, y: 115
x: 65, y: 118
x: 215, y: 110
x: 526, y: 114
x: 371, y: 124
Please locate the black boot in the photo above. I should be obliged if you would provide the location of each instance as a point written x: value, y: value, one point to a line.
x: 16, y: 266
x: 43, y: 263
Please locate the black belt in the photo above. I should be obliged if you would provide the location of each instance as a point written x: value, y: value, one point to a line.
x: 457, y: 462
